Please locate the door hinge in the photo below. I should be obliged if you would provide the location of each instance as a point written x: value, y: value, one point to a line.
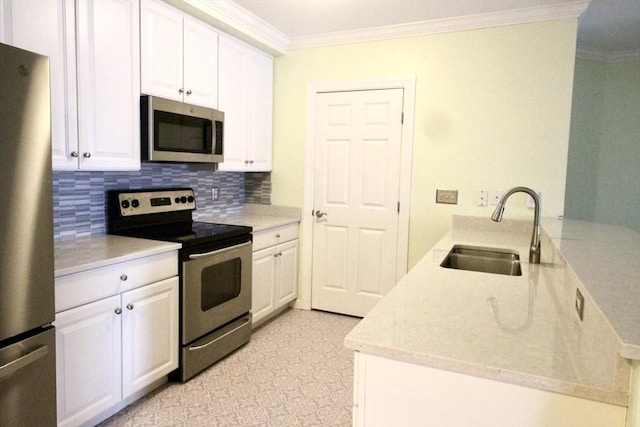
x: 398, y: 207
x: 402, y: 118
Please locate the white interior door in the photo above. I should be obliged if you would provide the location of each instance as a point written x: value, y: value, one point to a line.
x: 356, y: 195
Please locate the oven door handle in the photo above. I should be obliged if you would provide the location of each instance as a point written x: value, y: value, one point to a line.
x: 200, y: 347
x: 206, y: 254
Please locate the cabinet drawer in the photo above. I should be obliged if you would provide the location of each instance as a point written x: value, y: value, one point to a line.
x: 273, y: 236
x: 81, y: 288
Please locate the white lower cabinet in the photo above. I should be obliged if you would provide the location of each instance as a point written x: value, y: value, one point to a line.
x: 112, y: 348
x: 393, y: 393
x: 275, y: 271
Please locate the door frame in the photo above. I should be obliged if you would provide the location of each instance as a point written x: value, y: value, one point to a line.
x: 408, y: 84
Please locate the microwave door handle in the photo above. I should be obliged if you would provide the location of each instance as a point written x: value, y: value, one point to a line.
x: 206, y: 254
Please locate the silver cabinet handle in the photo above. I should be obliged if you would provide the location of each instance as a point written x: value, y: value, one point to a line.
x: 124, y: 277
x: 246, y: 162
x: 86, y: 155
x: 118, y: 310
x: 250, y: 162
x: 320, y: 214
x: 130, y: 306
x: 75, y: 154
x: 189, y: 92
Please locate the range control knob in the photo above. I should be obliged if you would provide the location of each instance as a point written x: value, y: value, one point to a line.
x: 183, y: 199
x: 190, y: 199
x: 135, y: 203
x: 177, y: 199
x: 124, y: 204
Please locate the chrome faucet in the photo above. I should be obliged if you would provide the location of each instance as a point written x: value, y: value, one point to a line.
x: 534, y: 250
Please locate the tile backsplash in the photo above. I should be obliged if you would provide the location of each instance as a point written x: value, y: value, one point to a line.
x: 79, y: 207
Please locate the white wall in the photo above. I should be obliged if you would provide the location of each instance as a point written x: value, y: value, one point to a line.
x: 492, y: 112
x: 604, y: 149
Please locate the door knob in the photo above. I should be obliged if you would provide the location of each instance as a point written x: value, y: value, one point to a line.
x: 320, y: 214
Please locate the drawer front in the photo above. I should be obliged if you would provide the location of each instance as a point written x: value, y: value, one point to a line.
x: 273, y: 236
x: 81, y: 288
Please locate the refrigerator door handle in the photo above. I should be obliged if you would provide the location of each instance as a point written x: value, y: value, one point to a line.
x: 21, y: 362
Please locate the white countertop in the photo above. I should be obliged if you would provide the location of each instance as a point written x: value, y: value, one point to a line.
x: 259, y: 217
x: 522, y: 330
x: 606, y: 259
x: 85, y: 253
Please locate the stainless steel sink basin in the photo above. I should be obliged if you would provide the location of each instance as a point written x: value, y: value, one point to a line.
x: 486, y: 260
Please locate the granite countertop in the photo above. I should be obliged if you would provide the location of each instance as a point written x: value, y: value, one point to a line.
x: 522, y: 330
x: 85, y: 253
x: 259, y: 217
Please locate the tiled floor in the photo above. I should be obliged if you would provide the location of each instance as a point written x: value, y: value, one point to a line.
x: 295, y: 371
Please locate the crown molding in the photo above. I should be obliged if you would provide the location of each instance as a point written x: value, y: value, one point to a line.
x: 602, y: 56
x: 470, y: 22
x: 238, y: 22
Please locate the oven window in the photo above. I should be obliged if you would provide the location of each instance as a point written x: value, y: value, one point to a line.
x: 220, y: 283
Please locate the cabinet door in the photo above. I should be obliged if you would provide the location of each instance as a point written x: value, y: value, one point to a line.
x: 246, y: 97
x: 149, y: 334
x: 233, y: 101
x: 286, y: 273
x: 260, y: 123
x: 161, y: 50
x: 108, y: 84
x: 200, y: 64
x: 88, y: 349
x: 49, y: 29
x: 263, y: 283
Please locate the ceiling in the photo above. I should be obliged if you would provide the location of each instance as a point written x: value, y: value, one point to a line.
x: 606, y: 25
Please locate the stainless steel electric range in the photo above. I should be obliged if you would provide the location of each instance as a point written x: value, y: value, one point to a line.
x: 215, y: 270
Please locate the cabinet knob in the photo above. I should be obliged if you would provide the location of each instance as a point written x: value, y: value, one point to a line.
x: 75, y: 154
x: 118, y: 310
x: 124, y: 277
x: 181, y: 91
x: 189, y: 92
x: 130, y: 306
x: 246, y: 162
x: 250, y: 162
x: 278, y: 236
x: 86, y: 155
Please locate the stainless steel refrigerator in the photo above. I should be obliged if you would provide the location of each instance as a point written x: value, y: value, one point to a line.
x: 27, y: 337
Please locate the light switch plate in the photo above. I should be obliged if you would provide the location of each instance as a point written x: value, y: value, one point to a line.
x: 449, y: 197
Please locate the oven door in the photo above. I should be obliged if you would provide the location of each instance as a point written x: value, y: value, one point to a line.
x: 216, y: 288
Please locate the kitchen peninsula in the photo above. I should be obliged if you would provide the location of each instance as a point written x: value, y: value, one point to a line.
x: 458, y: 347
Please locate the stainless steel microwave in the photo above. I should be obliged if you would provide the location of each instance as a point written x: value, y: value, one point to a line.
x: 172, y: 131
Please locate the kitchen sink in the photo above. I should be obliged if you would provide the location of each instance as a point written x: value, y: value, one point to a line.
x: 486, y: 260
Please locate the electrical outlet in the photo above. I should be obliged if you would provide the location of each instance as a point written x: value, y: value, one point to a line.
x: 495, y: 197
x: 449, y: 197
x: 579, y: 304
x: 530, y: 203
x: 215, y: 194
x: 482, y: 198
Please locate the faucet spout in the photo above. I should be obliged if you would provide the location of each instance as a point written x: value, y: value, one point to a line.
x: 534, y: 250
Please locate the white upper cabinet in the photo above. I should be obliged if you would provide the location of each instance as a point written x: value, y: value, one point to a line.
x: 246, y: 98
x: 49, y: 29
x: 94, y: 87
x: 179, y: 56
x: 108, y: 84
